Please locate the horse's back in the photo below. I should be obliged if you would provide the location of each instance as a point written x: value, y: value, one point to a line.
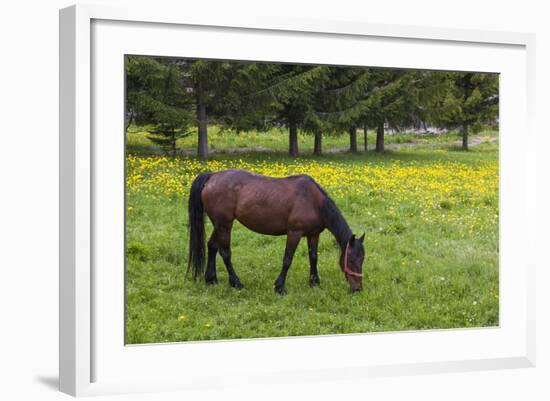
x: 268, y: 205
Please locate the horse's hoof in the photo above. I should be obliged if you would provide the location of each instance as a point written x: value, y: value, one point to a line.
x: 314, y: 282
x: 236, y: 284
x: 211, y: 281
x: 280, y: 290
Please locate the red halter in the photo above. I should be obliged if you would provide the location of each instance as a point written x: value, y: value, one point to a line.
x: 346, y: 269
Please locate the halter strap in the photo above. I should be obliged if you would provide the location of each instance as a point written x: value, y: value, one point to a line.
x: 346, y: 269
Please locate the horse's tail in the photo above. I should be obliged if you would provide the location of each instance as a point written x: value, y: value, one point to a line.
x: 196, y: 226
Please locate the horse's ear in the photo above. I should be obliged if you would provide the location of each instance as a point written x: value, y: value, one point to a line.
x: 352, y: 239
x: 362, y: 238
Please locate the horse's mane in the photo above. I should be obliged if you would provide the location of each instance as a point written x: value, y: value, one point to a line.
x: 332, y: 218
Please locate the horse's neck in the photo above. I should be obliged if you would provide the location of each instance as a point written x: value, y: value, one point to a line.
x: 336, y: 223
x: 342, y: 236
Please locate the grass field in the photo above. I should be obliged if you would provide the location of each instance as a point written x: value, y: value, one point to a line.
x: 430, y: 215
x: 277, y: 140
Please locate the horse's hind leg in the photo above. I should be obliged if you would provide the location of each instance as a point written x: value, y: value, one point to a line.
x: 224, y: 246
x: 210, y: 275
x: 312, y: 243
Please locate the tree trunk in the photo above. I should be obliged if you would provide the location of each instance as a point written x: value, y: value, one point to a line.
x: 317, y: 145
x: 202, y: 151
x: 380, y: 137
x: 464, y: 138
x: 129, y: 118
x: 365, y: 128
x: 293, y: 138
x: 353, y: 139
x: 173, y: 142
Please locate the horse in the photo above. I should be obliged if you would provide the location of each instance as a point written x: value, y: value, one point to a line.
x: 295, y: 206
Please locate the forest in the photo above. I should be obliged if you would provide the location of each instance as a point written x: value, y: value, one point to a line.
x: 176, y: 98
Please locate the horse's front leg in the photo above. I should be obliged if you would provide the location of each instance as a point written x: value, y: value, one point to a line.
x: 313, y: 243
x: 292, y: 240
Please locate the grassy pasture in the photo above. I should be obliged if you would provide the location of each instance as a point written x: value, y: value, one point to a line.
x: 430, y: 215
x: 277, y: 140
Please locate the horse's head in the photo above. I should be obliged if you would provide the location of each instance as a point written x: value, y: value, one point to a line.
x: 352, y: 262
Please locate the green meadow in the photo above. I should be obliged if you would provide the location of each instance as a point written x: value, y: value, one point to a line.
x: 429, y: 212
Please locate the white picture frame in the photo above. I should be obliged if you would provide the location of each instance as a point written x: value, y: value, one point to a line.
x: 93, y: 361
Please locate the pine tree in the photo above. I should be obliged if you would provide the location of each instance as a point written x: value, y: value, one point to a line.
x: 248, y: 103
x: 208, y: 82
x: 390, y: 101
x: 154, y: 96
x: 340, y: 101
x: 293, y: 89
x: 470, y: 100
x: 201, y: 87
x: 372, y: 97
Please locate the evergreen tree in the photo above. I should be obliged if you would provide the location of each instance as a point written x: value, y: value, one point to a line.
x: 373, y: 98
x: 232, y: 94
x: 248, y: 103
x: 350, y: 99
x: 171, y: 94
x: 293, y: 89
x: 391, y: 101
x: 155, y: 96
x: 202, y: 85
x: 345, y: 96
x: 208, y: 82
x: 311, y: 98
x: 470, y: 100
x: 429, y: 87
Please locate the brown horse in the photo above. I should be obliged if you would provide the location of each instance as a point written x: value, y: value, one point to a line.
x: 294, y: 206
